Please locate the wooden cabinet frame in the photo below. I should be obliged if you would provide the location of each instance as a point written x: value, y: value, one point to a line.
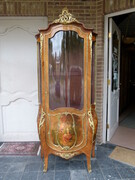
x: 82, y: 123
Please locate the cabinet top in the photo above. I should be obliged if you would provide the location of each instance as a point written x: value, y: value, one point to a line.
x: 65, y: 19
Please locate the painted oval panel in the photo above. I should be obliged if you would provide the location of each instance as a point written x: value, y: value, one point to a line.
x: 66, y: 136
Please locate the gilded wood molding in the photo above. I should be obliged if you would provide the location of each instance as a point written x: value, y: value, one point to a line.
x: 42, y: 120
x: 65, y: 17
x: 66, y: 155
x: 91, y: 122
x: 90, y: 38
x: 41, y: 44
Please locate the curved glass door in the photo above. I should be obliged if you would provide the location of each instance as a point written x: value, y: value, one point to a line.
x: 66, y: 70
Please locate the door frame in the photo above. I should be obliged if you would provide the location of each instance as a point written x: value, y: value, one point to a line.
x: 105, y: 89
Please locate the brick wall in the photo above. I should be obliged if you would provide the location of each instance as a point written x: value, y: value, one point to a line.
x: 22, y: 8
x: 99, y: 66
x: 118, y: 5
x: 83, y: 10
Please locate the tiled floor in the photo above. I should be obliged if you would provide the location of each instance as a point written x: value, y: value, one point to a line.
x: 31, y: 168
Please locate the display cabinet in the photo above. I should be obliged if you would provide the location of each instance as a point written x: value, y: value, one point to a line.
x: 67, y: 121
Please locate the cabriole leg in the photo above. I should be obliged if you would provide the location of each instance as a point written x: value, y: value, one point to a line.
x: 93, y: 149
x: 45, y: 164
x: 88, y: 163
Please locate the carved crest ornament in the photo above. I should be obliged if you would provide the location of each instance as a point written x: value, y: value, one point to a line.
x: 65, y: 17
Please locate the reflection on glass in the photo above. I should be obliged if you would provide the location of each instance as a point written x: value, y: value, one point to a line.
x: 115, y: 62
x: 66, y: 70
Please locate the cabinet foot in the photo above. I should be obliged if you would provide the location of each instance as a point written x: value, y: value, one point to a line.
x: 89, y: 169
x: 45, y: 163
x: 93, y: 149
x: 45, y: 169
x: 88, y: 163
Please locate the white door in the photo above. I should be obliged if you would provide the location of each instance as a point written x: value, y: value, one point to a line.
x: 113, y: 78
x: 18, y: 78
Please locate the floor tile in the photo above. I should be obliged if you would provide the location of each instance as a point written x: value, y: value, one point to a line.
x: 133, y: 168
x: 34, y: 159
x: 102, y: 153
x: 46, y: 176
x: 105, y: 163
x: 2, y: 175
x: 128, y: 179
x: 107, y: 146
x: 62, y: 166
x: 60, y: 175
x: 52, y: 157
x: 13, y: 176
x: 29, y: 176
x: 17, y: 167
x: 32, y: 167
x: 120, y: 165
x: 126, y: 173
x: 7, y: 159
x: 59, y: 159
x: 76, y: 165
x: 94, y: 164
x: 4, y: 167
x: 18, y: 159
x: 78, y: 175
x: 79, y: 157
x: 95, y: 175
x: 110, y: 174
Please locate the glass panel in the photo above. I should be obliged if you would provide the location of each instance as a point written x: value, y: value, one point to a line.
x: 93, y: 74
x: 39, y: 74
x: 66, y: 70
x: 115, y: 62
